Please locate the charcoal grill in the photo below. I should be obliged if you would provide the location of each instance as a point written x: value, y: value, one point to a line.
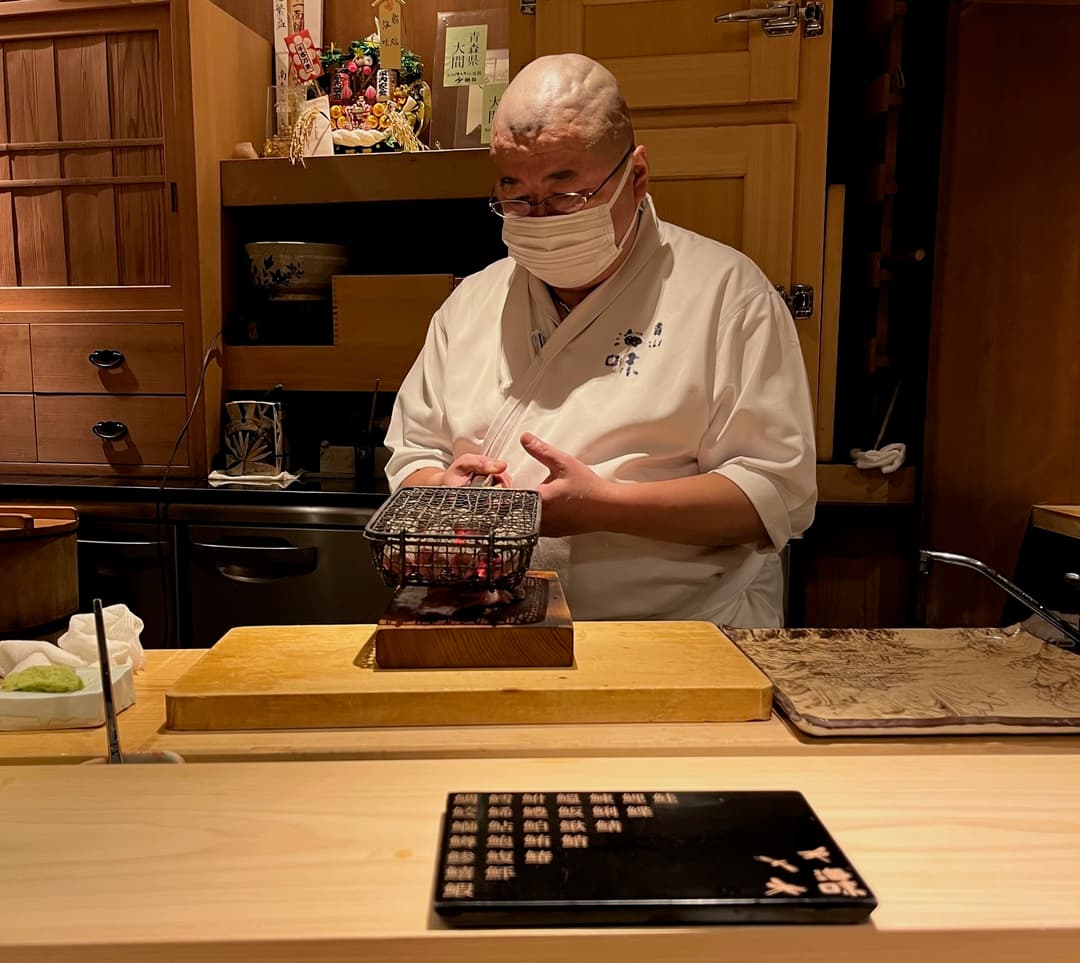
x: 455, y: 536
x: 458, y: 559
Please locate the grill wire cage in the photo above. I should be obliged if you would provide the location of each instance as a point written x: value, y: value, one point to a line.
x: 482, y: 537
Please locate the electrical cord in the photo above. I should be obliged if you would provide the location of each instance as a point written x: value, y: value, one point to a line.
x: 161, y: 510
x: 194, y: 407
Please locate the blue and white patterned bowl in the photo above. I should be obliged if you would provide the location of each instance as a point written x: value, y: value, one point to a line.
x: 295, y: 270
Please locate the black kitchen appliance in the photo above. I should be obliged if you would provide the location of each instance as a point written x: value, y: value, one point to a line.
x: 280, y: 565
x: 133, y: 563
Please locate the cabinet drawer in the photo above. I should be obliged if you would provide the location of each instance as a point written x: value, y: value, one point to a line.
x: 15, y: 358
x: 719, y: 64
x: 17, y: 428
x: 108, y: 358
x: 146, y: 429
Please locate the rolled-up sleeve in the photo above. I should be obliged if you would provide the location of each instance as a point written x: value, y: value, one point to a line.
x: 761, y: 435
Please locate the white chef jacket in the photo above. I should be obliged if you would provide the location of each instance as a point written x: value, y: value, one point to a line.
x: 685, y: 361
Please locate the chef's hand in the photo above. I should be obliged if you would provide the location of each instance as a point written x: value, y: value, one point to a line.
x: 570, y: 492
x: 462, y: 470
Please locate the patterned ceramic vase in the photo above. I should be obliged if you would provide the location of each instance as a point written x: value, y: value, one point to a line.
x: 255, y: 438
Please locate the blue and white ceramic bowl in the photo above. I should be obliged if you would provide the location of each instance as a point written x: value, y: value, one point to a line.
x: 295, y: 270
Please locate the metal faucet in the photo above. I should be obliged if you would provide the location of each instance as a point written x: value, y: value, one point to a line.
x: 927, y: 557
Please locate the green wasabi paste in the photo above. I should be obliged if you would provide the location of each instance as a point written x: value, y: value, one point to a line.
x: 44, y: 678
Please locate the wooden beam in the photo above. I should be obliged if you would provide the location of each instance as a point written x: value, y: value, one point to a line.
x: 426, y: 175
x: 85, y: 144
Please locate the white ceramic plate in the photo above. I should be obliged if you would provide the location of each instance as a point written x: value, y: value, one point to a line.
x: 67, y: 710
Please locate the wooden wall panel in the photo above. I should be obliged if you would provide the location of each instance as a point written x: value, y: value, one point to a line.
x: 853, y: 569
x: 217, y: 125
x: 774, y: 65
x: 256, y: 14
x: 83, y: 83
x: 135, y: 109
x: 760, y: 158
x: 830, y: 321
x: 809, y: 113
x: 8, y: 271
x: 711, y: 206
x: 30, y: 79
x: 134, y: 85
x: 1003, y: 411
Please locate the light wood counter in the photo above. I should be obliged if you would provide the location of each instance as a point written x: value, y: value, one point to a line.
x: 1063, y: 519
x: 971, y: 857
x: 142, y: 729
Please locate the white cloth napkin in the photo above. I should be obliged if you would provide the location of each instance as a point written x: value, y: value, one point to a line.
x: 16, y: 655
x: 888, y: 458
x: 122, y: 630
x: 282, y: 479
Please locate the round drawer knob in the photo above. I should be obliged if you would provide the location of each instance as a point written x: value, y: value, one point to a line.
x: 110, y: 430
x: 106, y: 358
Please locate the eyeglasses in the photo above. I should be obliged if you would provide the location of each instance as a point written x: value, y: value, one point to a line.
x: 568, y: 203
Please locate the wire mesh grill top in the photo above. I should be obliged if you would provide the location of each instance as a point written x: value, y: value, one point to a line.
x: 448, y: 536
x: 502, y: 512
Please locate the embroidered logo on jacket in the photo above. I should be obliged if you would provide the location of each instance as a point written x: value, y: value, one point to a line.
x: 630, y: 347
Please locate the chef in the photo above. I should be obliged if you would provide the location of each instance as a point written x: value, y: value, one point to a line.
x: 645, y: 380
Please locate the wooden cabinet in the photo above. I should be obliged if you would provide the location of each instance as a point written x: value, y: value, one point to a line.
x: 364, y: 356
x: 91, y: 151
x: 107, y: 128
x: 735, y: 123
x: 711, y: 64
x: 735, y: 184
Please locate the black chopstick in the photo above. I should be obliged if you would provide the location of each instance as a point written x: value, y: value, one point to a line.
x: 115, y: 755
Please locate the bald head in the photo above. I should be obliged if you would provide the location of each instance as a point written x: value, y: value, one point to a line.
x: 564, y: 96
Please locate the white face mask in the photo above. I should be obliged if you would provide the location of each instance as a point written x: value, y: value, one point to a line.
x: 568, y: 250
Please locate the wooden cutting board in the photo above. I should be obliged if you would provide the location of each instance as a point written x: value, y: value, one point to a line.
x: 324, y: 676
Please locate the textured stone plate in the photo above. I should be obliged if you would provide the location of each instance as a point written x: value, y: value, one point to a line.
x: 848, y: 682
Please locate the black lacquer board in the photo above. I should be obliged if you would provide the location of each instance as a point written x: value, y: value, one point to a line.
x: 641, y: 856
